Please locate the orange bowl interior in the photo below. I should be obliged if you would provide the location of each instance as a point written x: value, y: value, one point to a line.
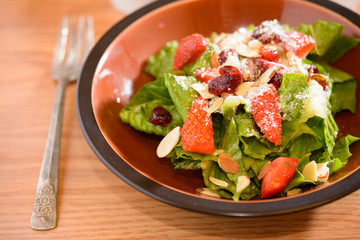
x: 120, y: 73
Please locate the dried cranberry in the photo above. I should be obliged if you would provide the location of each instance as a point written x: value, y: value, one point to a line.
x: 262, y: 64
x: 223, y: 56
x: 269, y: 31
x: 276, y: 80
x: 160, y: 116
x: 230, y: 78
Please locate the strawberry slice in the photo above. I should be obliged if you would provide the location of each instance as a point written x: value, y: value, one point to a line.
x: 265, y: 109
x: 190, y: 48
x: 206, y: 74
x: 197, y: 132
x: 299, y: 43
x: 269, y: 54
x: 281, y: 171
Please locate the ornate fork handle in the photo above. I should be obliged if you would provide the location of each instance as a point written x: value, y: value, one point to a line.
x: 73, y: 44
x: 44, y: 214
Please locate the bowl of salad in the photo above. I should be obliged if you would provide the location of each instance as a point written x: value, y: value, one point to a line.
x: 235, y: 108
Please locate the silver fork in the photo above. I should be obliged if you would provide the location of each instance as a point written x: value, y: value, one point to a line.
x: 75, y: 39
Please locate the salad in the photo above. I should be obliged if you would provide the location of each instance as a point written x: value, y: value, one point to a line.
x: 252, y: 109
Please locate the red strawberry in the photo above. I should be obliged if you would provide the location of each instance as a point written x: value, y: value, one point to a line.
x: 299, y: 43
x: 197, y: 132
x: 281, y: 171
x: 190, y: 48
x: 269, y: 54
x: 265, y: 109
x: 206, y: 74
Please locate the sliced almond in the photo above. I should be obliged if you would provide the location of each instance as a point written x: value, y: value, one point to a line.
x: 322, y: 172
x: 208, y: 192
x: 215, y: 105
x: 202, y: 89
x: 218, y: 182
x: 215, y: 60
x: 245, y: 51
x: 310, y: 171
x: 267, y: 75
x: 242, y: 183
x: 255, y: 44
x: 232, y: 60
x: 218, y: 152
x: 243, y: 88
x: 228, y: 164
x: 168, y: 142
x: 264, y: 170
x: 293, y: 191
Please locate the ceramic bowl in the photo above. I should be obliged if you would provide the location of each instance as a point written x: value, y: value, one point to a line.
x: 113, y: 72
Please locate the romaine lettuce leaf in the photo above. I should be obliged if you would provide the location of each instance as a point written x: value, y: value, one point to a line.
x: 304, y: 144
x: 138, y: 112
x: 337, y: 75
x: 343, y: 96
x: 325, y: 34
x: 162, y: 61
x: 181, y: 92
x: 230, y: 143
x: 293, y: 93
x: 205, y: 58
x: 210, y: 168
x: 330, y: 43
x: 341, y: 153
x: 340, y: 47
x: 138, y: 117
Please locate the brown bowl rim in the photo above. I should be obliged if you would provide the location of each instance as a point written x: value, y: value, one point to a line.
x: 131, y: 176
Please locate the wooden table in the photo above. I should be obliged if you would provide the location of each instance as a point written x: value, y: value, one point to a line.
x: 93, y: 202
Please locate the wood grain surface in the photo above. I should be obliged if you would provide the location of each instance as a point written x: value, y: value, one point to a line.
x: 93, y: 202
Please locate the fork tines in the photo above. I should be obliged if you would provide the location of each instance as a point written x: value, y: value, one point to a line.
x: 75, y: 39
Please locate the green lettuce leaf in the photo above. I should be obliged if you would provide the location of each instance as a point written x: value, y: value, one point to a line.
x: 330, y: 43
x: 293, y: 92
x: 325, y: 34
x: 343, y: 97
x: 205, y: 58
x: 341, y: 153
x: 340, y: 47
x: 230, y: 143
x: 138, y: 112
x: 181, y: 92
x: 162, y: 61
